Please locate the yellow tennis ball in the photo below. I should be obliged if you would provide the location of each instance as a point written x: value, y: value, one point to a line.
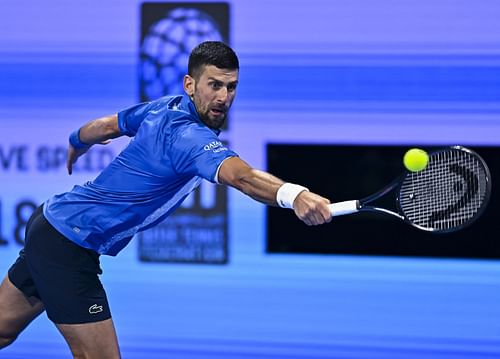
x: 415, y: 160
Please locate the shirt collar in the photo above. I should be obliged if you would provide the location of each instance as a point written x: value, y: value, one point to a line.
x: 186, y: 102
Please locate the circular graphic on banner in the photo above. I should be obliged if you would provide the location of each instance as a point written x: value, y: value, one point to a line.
x: 165, y: 50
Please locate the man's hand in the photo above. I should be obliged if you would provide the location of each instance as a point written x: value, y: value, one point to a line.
x: 312, y: 209
x: 73, y: 155
x: 98, y: 131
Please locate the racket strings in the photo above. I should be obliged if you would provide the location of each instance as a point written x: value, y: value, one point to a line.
x: 447, y: 194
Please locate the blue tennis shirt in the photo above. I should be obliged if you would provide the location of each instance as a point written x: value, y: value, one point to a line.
x: 172, y: 150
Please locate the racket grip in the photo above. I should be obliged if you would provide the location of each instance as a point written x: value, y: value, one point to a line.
x: 343, y: 208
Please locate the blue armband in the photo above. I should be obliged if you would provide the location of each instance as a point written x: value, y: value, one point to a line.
x: 74, y: 140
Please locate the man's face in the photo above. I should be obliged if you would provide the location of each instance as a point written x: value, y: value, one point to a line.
x: 212, y: 93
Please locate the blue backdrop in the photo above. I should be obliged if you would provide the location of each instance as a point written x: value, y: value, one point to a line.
x: 357, y: 71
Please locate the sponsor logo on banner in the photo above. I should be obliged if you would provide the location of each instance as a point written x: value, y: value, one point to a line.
x: 169, y: 31
x: 197, y: 231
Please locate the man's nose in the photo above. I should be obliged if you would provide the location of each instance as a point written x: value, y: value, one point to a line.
x: 223, y: 95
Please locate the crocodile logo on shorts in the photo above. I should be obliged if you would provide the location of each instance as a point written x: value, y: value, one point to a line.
x: 94, y: 309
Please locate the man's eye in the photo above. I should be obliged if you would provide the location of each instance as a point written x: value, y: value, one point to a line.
x: 215, y: 85
x: 231, y: 88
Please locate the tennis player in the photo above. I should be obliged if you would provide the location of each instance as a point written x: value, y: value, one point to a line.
x: 174, y: 147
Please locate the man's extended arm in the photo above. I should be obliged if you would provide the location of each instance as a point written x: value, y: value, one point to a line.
x: 100, y: 130
x: 263, y: 187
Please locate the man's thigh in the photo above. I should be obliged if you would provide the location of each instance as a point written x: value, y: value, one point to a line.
x: 65, y: 275
x: 16, y: 310
x: 91, y: 340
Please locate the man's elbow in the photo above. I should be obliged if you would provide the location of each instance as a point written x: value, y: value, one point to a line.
x: 109, y: 126
x: 235, y: 173
x: 239, y: 180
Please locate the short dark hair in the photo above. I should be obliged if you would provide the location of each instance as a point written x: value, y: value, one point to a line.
x: 212, y: 53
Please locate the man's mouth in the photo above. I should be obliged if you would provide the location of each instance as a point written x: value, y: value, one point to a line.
x: 218, y: 111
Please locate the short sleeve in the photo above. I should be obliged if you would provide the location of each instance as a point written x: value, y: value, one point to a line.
x: 198, y: 151
x: 130, y: 119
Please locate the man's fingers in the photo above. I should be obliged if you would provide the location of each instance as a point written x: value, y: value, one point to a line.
x: 327, y: 215
x: 320, y: 214
x: 312, y: 209
x: 73, y: 155
x: 69, y: 164
x: 313, y: 218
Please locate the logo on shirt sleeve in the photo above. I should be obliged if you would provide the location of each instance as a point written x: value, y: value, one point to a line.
x: 215, y: 147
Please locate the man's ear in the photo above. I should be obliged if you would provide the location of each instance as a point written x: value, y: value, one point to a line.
x: 189, y: 85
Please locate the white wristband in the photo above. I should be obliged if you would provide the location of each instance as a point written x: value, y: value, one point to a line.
x: 287, y: 193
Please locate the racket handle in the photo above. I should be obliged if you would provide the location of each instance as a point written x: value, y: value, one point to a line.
x: 343, y: 208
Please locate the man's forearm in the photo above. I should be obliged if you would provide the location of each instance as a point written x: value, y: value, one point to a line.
x: 266, y: 188
x: 260, y: 185
x: 100, y: 130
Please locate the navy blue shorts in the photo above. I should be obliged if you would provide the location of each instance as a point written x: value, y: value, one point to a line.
x: 62, y: 274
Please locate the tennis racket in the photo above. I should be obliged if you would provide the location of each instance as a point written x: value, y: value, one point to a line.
x: 448, y: 195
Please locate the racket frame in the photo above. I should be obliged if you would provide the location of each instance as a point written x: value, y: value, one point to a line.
x: 361, y: 205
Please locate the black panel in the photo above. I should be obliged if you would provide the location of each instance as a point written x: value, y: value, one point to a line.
x: 345, y: 172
